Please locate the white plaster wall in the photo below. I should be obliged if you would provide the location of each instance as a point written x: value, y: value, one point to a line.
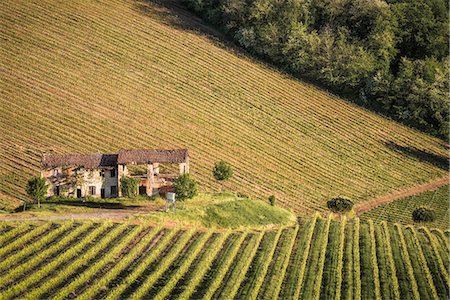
x: 110, y: 181
x: 91, y: 178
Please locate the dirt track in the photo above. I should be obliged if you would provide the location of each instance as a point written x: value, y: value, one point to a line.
x: 368, y: 205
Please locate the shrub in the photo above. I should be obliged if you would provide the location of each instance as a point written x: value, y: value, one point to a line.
x: 340, y: 205
x: 241, y: 195
x: 272, y: 200
x: 185, y: 187
x: 37, y: 189
x: 129, y: 186
x: 222, y: 171
x: 423, y: 214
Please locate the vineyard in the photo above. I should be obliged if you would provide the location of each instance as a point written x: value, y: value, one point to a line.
x: 97, y: 76
x: 401, y: 210
x: 321, y: 259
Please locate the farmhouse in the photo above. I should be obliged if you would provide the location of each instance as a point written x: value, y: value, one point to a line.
x: 98, y: 175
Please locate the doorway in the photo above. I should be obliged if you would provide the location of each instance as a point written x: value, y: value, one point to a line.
x: 142, y: 190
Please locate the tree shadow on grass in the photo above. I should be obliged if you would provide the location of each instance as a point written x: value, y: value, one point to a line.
x: 422, y: 155
x: 92, y: 204
x: 173, y: 13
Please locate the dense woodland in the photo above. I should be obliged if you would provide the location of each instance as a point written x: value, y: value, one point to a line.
x: 390, y: 56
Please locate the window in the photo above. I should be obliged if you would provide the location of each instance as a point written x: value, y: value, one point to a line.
x: 113, y: 190
x: 113, y: 173
x: 102, y: 173
x: 92, y: 190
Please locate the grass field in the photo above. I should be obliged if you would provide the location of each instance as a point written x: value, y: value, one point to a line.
x: 87, y: 76
x: 401, y: 210
x: 223, y: 211
x: 321, y: 259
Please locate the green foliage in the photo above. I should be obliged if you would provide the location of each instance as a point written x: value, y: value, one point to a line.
x: 348, y: 45
x: 226, y: 211
x: 340, y: 205
x: 417, y: 95
x: 129, y: 186
x: 423, y: 214
x: 37, y: 188
x: 204, y: 264
x: 241, y: 195
x: 185, y: 187
x: 272, y: 200
x: 222, y: 171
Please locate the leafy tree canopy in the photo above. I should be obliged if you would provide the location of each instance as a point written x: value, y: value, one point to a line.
x: 129, y: 186
x: 340, y: 205
x: 37, y: 189
x: 423, y: 214
x: 185, y: 187
x: 362, y: 49
x: 222, y: 171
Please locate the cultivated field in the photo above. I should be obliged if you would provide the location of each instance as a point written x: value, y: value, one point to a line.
x: 401, y: 210
x: 321, y: 259
x: 88, y: 76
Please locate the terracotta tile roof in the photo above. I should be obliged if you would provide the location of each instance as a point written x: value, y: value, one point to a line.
x: 89, y: 161
x: 152, y: 156
x: 96, y: 161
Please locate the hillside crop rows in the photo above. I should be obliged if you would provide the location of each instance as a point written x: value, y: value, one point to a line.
x: 401, y: 210
x: 320, y: 259
x: 89, y: 76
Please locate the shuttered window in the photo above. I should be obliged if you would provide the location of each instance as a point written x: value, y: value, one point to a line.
x: 92, y: 190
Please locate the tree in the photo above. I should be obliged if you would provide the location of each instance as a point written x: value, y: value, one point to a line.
x: 272, y: 200
x: 423, y: 214
x: 185, y: 187
x: 129, y: 186
x: 222, y: 171
x: 37, y: 189
x: 340, y: 205
x: 355, y: 48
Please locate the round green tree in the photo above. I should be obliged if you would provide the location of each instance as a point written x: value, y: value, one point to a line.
x: 222, y: 171
x: 423, y: 214
x: 340, y: 205
x: 185, y: 187
x: 37, y: 189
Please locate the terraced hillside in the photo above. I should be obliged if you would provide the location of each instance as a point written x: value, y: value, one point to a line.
x: 88, y: 76
x: 321, y: 259
x: 401, y: 210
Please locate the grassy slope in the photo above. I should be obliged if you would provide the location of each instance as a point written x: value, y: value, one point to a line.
x: 141, y: 257
x: 225, y: 211
x: 88, y: 76
x: 401, y: 210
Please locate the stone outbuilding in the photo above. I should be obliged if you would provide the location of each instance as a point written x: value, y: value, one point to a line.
x: 98, y: 175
